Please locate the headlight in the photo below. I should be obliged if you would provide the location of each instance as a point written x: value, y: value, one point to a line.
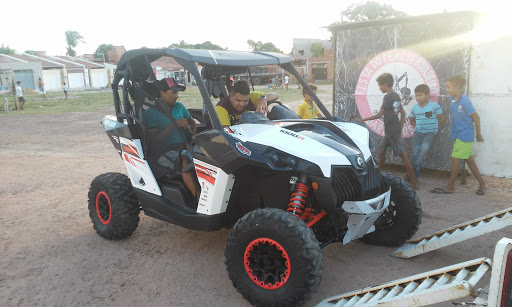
x: 282, y: 161
x: 279, y: 159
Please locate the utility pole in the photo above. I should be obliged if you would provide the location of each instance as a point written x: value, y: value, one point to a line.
x: 14, y: 89
x: 103, y: 55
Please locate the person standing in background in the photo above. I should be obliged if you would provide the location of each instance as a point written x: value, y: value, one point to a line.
x: 40, y: 85
x: 19, y: 94
x: 65, y: 88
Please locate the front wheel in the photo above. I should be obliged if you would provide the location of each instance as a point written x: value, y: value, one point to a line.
x: 273, y: 258
x: 113, y: 206
x: 401, y: 219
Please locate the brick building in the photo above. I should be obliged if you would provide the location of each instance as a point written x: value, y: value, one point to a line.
x: 321, y: 67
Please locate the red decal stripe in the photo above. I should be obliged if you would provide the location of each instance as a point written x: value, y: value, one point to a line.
x: 138, y: 160
x: 206, y: 176
x: 205, y: 169
x: 129, y: 150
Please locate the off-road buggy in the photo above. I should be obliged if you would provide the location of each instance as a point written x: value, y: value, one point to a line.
x: 287, y: 187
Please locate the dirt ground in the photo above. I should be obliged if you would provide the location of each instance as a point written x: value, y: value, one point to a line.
x: 50, y: 254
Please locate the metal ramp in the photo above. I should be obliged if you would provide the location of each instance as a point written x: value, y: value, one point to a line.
x: 452, y: 282
x: 455, y: 234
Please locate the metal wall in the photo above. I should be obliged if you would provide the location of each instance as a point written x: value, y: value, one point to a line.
x: 415, y: 50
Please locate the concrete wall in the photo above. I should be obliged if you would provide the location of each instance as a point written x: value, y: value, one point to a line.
x: 36, y: 68
x: 490, y: 89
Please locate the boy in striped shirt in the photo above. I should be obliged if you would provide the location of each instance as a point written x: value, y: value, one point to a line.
x: 427, y: 116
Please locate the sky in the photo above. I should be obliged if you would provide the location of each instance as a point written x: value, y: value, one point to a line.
x: 40, y: 25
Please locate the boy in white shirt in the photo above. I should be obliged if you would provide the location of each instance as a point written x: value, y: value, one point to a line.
x: 19, y: 94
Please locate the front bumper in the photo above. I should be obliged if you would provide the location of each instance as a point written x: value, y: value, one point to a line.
x: 362, y: 215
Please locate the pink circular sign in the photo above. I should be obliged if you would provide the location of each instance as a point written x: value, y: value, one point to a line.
x: 409, y: 70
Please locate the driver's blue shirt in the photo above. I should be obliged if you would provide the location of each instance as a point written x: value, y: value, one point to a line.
x: 155, y: 119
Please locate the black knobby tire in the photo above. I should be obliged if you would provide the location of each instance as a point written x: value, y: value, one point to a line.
x: 113, y: 206
x: 401, y: 219
x: 273, y: 258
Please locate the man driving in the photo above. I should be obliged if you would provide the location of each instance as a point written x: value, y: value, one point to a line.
x: 166, y: 125
x: 230, y: 108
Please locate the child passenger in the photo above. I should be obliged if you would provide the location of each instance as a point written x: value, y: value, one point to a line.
x: 427, y: 116
x: 464, y: 121
x: 308, y: 109
x: 390, y: 108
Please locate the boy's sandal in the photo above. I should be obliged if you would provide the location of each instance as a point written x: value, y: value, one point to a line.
x: 440, y: 191
x: 480, y: 192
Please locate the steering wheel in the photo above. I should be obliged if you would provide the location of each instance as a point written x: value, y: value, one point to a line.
x: 274, y: 101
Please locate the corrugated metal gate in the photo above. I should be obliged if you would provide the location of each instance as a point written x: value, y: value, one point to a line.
x: 26, y: 76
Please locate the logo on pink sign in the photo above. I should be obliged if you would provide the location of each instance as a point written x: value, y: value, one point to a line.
x: 409, y: 69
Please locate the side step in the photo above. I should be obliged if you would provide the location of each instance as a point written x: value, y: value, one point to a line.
x: 432, y: 287
x: 456, y: 234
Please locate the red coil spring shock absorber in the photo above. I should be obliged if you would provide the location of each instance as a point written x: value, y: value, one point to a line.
x: 298, y: 200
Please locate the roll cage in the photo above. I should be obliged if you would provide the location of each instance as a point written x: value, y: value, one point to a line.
x: 135, y: 72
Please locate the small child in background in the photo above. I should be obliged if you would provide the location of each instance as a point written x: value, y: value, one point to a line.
x: 65, y: 88
x: 308, y: 109
x: 426, y: 117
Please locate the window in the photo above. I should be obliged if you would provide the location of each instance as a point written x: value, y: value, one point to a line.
x: 301, y: 52
x: 321, y: 65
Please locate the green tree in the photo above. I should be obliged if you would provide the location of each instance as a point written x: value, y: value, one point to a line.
x: 370, y: 10
x: 317, y: 49
x: 260, y: 46
x: 208, y: 45
x: 102, y: 51
x: 205, y: 45
x: 6, y: 50
x: 32, y: 52
x: 72, y: 39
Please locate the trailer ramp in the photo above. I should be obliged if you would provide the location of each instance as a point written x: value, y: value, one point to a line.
x: 432, y: 287
x: 449, y: 283
x: 456, y: 234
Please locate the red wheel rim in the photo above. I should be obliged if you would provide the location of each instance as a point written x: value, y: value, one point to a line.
x: 103, y: 208
x: 267, y: 263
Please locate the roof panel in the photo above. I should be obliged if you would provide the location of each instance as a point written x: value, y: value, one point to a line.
x: 209, y: 57
x: 7, y: 60
x: 87, y: 64
x: 44, y: 63
x: 59, y: 60
x: 230, y: 58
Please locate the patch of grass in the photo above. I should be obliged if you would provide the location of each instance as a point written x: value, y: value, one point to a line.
x: 55, y: 102
x: 92, y: 100
x: 323, y: 82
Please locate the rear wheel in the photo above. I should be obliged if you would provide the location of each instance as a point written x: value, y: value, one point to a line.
x: 113, y: 206
x: 402, y: 217
x: 273, y: 258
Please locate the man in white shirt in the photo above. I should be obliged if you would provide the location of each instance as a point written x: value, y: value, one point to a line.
x: 19, y: 94
x: 286, y: 80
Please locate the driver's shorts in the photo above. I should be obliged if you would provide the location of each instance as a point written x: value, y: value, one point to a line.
x: 170, y: 159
